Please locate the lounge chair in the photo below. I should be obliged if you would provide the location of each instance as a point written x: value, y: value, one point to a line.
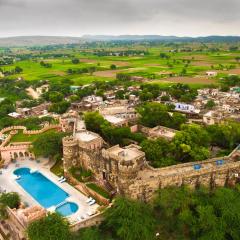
x: 91, y: 213
x: 63, y: 180
x: 89, y: 200
x: 92, y: 202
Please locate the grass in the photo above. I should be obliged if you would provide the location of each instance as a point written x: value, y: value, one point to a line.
x: 20, y: 137
x: 80, y: 174
x: 145, y: 66
x: 99, y: 190
x: 57, y: 168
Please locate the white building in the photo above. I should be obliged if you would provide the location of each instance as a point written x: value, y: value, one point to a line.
x: 211, y: 74
x: 187, y: 108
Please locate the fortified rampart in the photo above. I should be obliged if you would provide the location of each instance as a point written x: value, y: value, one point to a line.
x: 19, y: 149
x: 127, y: 171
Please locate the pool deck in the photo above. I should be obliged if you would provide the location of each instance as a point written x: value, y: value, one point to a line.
x: 8, y: 183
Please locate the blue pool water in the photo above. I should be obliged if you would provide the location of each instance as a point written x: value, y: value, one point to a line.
x: 44, y: 191
x: 67, y: 208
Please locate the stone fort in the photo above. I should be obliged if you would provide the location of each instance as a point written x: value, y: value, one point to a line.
x: 126, y: 171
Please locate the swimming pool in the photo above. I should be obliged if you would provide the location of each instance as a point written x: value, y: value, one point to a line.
x: 67, y: 208
x: 44, y: 191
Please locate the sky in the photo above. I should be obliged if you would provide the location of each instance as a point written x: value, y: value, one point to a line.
x: 118, y: 17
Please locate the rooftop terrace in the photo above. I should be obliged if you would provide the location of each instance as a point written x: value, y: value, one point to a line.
x: 86, y: 136
x: 128, y: 153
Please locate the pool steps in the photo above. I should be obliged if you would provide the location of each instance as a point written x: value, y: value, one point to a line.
x: 60, y: 204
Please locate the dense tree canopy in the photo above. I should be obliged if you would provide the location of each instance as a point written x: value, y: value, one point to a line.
x: 191, y: 143
x: 153, y: 114
x: 159, y: 152
x: 48, y: 144
x: 60, y: 107
x: 52, y: 227
x: 185, y: 214
x: 11, y: 199
x: 130, y: 220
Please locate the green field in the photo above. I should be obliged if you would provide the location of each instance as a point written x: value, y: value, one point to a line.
x: 151, y: 66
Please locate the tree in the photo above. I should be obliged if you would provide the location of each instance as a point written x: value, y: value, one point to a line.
x: 92, y: 233
x: 123, y: 77
x: 53, y: 227
x: 153, y: 114
x: 60, y: 107
x: 199, y: 214
x: 120, y: 94
x: 159, y: 152
x: 92, y: 69
x: 75, y: 61
x: 11, y: 199
x: 113, y: 67
x: 165, y: 98
x: 94, y: 121
x: 6, y: 106
x: 177, y: 119
x: 183, y: 72
x: 53, y: 146
x: 146, y: 96
x: 55, y: 97
x: 210, y: 104
x: 18, y: 69
x: 191, y: 143
x: 130, y: 220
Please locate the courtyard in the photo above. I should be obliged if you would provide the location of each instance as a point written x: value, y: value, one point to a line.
x: 8, y: 183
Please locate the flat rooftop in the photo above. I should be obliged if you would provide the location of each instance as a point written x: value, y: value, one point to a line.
x: 113, y: 119
x: 85, y: 136
x: 125, y: 153
x: 159, y: 131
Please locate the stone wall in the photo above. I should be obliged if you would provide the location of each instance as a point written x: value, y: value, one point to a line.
x: 30, y: 132
x: 92, y: 221
x: 136, y: 179
x: 18, y: 229
x: 82, y: 187
x: 7, y: 151
x: 210, y: 175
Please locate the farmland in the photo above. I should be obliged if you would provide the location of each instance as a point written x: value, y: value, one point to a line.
x: 159, y: 64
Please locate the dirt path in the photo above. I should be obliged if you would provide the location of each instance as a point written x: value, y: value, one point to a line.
x: 188, y: 80
x: 108, y: 73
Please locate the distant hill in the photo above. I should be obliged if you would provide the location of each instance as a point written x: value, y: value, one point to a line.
x: 160, y: 38
x: 54, y: 40
x: 37, y: 40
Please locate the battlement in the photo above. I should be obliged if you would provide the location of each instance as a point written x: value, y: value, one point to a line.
x: 132, y: 167
x: 29, y: 132
x: 69, y: 141
x: 88, y: 140
x: 16, y: 146
x: 128, y: 154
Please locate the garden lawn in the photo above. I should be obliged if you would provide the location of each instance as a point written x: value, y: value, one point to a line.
x: 98, y: 190
x: 20, y: 137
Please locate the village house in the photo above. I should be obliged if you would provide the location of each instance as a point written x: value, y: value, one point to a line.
x: 186, y: 108
x: 119, y: 111
x: 212, y: 117
x: 44, y: 88
x: 116, y: 121
x: 211, y: 74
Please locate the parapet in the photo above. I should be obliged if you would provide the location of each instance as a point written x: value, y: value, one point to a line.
x: 69, y: 141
